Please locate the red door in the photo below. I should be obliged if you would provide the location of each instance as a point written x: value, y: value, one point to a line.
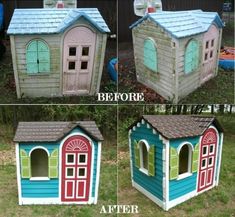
x: 207, y: 159
x: 76, y: 164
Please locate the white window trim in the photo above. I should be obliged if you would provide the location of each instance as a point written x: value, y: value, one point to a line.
x: 207, y: 149
x: 184, y: 175
x: 142, y: 169
x: 48, y: 154
x: 79, y: 163
x: 68, y: 163
x: 39, y: 179
x: 85, y: 174
x: 66, y: 174
x: 191, y: 149
x: 212, y: 153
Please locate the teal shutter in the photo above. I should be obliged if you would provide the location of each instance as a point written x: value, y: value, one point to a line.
x: 32, y: 57
x: 150, y: 55
x: 37, y: 57
x: 137, y: 154
x: 195, y: 158
x: 151, y: 161
x: 25, y: 164
x: 43, y: 57
x: 174, y: 163
x: 195, y: 55
x: 53, y: 164
x: 191, y: 57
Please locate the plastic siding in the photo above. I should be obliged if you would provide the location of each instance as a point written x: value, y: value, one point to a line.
x: 152, y: 184
x: 178, y: 188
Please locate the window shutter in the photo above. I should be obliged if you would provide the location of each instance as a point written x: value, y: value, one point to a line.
x: 191, y: 59
x: 25, y: 164
x: 195, y: 158
x: 150, y: 55
x: 43, y: 57
x: 53, y: 164
x: 151, y: 161
x: 32, y: 57
x: 137, y: 154
x: 195, y: 55
x: 174, y: 163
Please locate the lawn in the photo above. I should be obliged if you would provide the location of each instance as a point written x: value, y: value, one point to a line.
x: 8, y: 188
x: 218, y: 202
x: 8, y: 91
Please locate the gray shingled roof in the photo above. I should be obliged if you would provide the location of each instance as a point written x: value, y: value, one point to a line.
x: 180, y: 126
x: 53, y: 131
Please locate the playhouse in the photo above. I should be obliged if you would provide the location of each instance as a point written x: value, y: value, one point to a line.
x: 176, y: 52
x: 57, y: 51
x: 58, y: 162
x: 174, y: 158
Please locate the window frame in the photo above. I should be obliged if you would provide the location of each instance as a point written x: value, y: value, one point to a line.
x: 39, y: 178
x: 190, y: 157
x: 140, y: 144
x: 38, y: 73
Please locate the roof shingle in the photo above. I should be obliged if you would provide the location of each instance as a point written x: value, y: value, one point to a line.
x: 180, y: 126
x: 50, y: 21
x: 53, y: 131
x: 183, y: 23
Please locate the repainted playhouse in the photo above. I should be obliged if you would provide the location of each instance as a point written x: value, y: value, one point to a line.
x: 58, y: 162
x: 57, y: 51
x: 176, y: 52
x: 175, y: 158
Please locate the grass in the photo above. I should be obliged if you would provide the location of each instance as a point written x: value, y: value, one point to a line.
x: 218, y: 202
x: 107, y: 190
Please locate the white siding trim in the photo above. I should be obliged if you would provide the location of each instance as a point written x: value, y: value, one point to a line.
x: 98, y: 173
x: 90, y: 199
x: 180, y: 199
x: 18, y: 173
x: 39, y: 147
x: 130, y: 154
x: 167, y: 159
x: 220, y: 158
x: 149, y: 195
x: 45, y: 201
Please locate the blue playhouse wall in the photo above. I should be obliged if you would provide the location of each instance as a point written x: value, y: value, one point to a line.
x: 187, y: 184
x: 152, y: 184
x: 50, y: 188
x: 39, y: 189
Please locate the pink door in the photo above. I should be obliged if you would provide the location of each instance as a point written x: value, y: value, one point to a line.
x: 76, y: 164
x: 210, y: 53
x: 79, y: 49
x: 207, y: 159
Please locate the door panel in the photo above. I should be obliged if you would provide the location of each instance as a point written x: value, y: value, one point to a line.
x: 210, y: 52
x: 78, y: 59
x: 76, y: 164
x: 207, y: 159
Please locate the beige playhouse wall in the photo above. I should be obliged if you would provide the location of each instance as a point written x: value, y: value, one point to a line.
x: 163, y: 82
x: 50, y: 84
x: 187, y: 83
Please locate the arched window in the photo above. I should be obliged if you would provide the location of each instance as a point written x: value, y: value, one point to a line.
x: 150, y: 54
x: 143, y: 155
x: 191, y: 59
x: 39, y: 163
x: 37, y: 57
x: 185, y: 159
